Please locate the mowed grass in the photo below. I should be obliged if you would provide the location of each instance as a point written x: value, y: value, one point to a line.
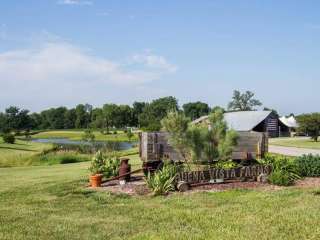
x: 77, y: 135
x: 21, y: 153
x: 299, y: 142
x: 53, y: 203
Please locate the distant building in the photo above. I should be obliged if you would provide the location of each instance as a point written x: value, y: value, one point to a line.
x: 248, y: 121
x: 287, y: 126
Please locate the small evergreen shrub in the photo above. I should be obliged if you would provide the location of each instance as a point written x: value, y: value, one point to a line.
x: 309, y: 165
x: 9, y: 138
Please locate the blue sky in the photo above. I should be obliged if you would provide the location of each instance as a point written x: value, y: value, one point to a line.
x: 64, y: 52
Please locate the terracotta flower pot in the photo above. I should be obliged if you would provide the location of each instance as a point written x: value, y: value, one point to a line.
x: 95, y: 180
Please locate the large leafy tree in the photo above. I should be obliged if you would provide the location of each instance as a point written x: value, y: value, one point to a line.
x: 109, y: 114
x: 82, y: 116
x: 138, y: 108
x: 243, y: 101
x: 195, y: 110
x: 155, y: 111
x: 310, y: 123
x: 16, y: 119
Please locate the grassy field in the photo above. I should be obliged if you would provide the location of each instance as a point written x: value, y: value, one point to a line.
x: 77, y: 135
x: 52, y: 203
x: 21, y: 153
x: 300, y: 142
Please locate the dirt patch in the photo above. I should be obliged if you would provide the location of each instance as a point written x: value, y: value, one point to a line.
x: 308, y: 183
x: 136, y: 186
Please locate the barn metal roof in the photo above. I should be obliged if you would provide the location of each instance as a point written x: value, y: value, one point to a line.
x: 289, y: 122
x: 242, y: 120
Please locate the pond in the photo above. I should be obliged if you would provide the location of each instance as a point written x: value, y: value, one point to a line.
x: 109, y: 144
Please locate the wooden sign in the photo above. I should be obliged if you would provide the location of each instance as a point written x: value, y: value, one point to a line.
x: 248, y: 172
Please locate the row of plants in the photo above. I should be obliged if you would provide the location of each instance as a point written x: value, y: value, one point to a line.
x: 286, y: 170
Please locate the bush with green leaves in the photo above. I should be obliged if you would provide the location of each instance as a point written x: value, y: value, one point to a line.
x: 88, y: 135
x: 98, y: 164
x: 284, y: 169
x: 162, y: 181
x: 8, y: 138
x: 129, y: 134
x: 112, y: 166
x: 309, y: 165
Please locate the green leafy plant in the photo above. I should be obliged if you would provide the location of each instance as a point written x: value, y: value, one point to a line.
x: 112, y: 166
x: 98, y: 164
x: 309, y: 165
x: 88, y: 135
x: 129, y: 134
x: 8, y: 138
x: 162, y: 181
x: 284, y: 169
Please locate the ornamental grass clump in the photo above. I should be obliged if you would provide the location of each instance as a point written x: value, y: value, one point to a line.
x: 162, y: 181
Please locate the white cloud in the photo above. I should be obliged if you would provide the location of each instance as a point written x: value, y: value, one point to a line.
x: 153, y: 61
x: 75, y: 2
x: 60, y: 73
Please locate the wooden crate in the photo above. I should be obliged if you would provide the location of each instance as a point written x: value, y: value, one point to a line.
x: 154, y: 146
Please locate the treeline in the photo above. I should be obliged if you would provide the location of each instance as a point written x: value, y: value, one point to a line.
x: 145, y: 115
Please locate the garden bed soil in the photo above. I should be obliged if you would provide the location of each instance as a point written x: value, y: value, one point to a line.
x: 308, y: 182
x: 137, y: 186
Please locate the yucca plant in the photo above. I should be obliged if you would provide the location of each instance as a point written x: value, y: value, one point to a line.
x: 162, y: 181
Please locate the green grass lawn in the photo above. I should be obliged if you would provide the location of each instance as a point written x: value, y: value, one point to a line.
x: 300, y: 142
x: 77, y: 135
x: 21, y: 153
x: 51, y: 202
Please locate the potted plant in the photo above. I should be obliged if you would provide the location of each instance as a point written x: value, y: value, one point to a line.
x: 97, y: 168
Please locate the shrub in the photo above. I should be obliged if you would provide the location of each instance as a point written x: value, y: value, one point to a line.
x: 284, y: 170
x: 88, y: 135
x: 112, y: 165
x: 9, y: 138
x: 280, y: 178
x: 61, y: 158
x: 129, y: 134
x: 309, y: 165
x: 162, y: 181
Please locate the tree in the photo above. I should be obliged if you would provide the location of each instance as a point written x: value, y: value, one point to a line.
x: 70, y: 118
x: 138, y: 108
x: 200, y: 143
x: 81, y: 116
x: 310, y: 123
x: 88, y: 135
x: 16, y: 119
x: 176, y: 124
x: 109, y: 114
x: 155, y: 111
x: 243, y: 101
x: 195, y: 110
x: 275, y: 112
